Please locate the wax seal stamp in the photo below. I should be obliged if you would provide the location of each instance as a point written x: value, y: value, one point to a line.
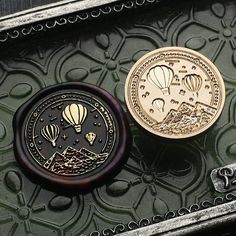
x: 224, y: 178
x: 175, y: 92
x: 73, y: 134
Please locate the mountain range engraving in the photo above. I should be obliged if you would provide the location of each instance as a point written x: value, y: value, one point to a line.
x: 73, y: 162
x: 186, y: 118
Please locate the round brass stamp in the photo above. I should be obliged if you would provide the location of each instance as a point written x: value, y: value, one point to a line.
x: 175, y: 92
x: 72, y: 134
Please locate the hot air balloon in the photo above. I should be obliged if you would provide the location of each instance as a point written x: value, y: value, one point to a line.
x: 75, y: 114
x: 161, y: 77
x: 158, y: 104
x: 90, y: 137
x: 51, y: 133
x: 192, y: 82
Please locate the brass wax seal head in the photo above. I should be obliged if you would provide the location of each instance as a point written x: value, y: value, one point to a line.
x: 175, y: 92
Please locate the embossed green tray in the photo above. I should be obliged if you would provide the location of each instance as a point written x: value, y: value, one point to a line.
x: 165, y: 187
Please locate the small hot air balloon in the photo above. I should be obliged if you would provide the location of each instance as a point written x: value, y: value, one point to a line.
x: 192, y: 82
x: 75, y: 114
x: 90, y: 137
x: 51, y: 133
x: 158, y: 104
x: 161, y: 77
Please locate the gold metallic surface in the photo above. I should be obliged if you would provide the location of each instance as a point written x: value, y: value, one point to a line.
x: 75, y: 114
x: 56, y: 135
x: 175, y: 92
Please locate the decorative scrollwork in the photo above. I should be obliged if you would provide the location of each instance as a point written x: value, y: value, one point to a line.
x: 169, y: 215
x: 73, y: 18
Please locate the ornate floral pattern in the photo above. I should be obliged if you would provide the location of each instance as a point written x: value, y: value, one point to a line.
x: 27, y: 209
x: 160, y: 176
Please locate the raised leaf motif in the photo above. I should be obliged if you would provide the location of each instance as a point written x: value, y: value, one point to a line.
x: 119, y: 92
x: 159, y: 207
x: 218, y: 9
x: 181, y: 168
x: 13, y: 181
x: 139, y: 54
x: 60, y: 203
x: 21, y: 90
x: 2, y: 131
x: 103, y: 41
x: 196, y: 43
x: 232, y: 149
x: 135, y: 150
x: 77, y: 74
x: 234, y: 57
x: 118, y: 188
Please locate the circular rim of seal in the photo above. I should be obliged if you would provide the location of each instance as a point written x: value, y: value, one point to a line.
x: 186, y: 50
x: 109, y: 168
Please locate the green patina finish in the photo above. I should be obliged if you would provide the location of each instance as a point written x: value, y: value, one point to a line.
x: 159, y: 175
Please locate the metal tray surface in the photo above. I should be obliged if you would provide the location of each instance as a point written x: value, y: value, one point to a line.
x: 13, y: 6
x: 165, y: 187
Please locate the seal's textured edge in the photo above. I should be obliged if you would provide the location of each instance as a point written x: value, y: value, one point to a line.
x: 146, y: 63
x: 73, y: 18
x: 121, y: 152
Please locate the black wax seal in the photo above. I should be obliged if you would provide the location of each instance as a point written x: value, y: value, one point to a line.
x: 72, y: 134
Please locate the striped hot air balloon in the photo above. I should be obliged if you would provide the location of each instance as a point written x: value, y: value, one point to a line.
x: 192, y: 82
x: 161, y: 77
x: 75, y: 114
x: 51, y: 133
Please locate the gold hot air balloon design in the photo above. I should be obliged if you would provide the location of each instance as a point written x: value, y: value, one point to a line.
x: 192, y: 82
x: 158, y: 104
x: 75, y: 114
x: 90, y: 137
x: 51, y: 133
x: 161, y: 77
